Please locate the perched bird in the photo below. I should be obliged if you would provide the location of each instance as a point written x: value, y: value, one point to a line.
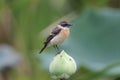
x: 58, y: 35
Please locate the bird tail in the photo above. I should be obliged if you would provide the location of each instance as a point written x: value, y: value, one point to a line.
x: 43, y: 48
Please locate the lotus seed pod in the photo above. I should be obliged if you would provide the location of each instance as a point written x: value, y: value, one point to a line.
x: 62, y: 66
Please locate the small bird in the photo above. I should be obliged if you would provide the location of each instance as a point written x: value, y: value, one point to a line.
x: 58, y: 35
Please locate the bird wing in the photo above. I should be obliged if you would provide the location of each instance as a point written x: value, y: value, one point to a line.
x: 54, y: 32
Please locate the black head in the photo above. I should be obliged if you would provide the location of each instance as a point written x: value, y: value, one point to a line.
x: 65, y: 24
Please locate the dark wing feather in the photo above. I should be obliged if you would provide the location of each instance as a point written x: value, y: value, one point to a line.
x: 55, y: 31
x: 49, y: 38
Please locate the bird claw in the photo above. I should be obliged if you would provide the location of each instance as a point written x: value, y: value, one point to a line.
x: 58, y: 52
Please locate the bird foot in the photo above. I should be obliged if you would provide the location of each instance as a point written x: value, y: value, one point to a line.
x: 58, y: 52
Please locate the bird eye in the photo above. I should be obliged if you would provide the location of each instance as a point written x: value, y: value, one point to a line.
x: 64, y: 25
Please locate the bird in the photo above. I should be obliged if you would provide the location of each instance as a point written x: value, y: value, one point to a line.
x: 57, y: 36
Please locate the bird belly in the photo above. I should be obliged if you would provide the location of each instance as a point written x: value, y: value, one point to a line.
x: 58, y: 39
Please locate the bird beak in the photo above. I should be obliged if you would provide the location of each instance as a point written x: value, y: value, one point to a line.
x: 70, y: 24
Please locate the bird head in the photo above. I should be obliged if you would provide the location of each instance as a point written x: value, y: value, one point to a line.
x: 65, y: 24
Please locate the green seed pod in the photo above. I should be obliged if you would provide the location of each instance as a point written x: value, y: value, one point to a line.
x: 62, y: 66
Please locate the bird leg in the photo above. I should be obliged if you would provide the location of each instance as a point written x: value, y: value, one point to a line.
x: 57, y: 48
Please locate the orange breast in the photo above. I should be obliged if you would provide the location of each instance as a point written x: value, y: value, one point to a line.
x: 65, y: 33
x: 58, y: 39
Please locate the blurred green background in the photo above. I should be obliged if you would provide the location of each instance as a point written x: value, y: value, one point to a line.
x: 94, y: 41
